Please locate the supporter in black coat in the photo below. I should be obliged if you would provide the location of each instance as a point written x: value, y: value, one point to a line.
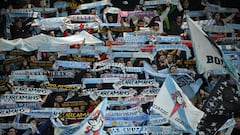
x: 20, y: 29
x: 125, y: 5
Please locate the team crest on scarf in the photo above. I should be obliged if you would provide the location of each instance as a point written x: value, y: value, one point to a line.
x: 95, y: 122
x: 177, y: 97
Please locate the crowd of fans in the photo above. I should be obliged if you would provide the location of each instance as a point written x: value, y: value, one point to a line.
x: 169, y: 21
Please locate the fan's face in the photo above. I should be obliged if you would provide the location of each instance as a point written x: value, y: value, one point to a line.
x: 238, y: 122
x: 96, y: 122
x: 179, y: 100
x: 217, y: 16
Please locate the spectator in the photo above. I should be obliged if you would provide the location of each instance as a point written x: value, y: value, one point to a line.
x: 176, y: 26
x: 59, y: 99
x: 42, y: 4
x: 173, y: 69
x: 129, y: 64
x: 62, y: 7
x: 157, y: 21
x: 161, y: 64
x: 236, y: 129
x: 11, y: 131
x: 93, y: 11
x: 140, y: 24
x: 169, y: 60
x: 37, y: 128
x: 20, y: 29
x: 73, y: 5
x: 222, y: 21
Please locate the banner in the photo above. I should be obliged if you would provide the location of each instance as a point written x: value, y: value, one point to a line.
x: 197, y: 13
x: 138, y: 117
x: 74, y: 115
x: 93, y: 124
x: 216, y: 8
x: 150, y: 91
x: 23, y: 13
x: 120, y: 76
x: 189, y: 86
x: 172, y: 47
x: 28, y: 72
x: 72, y: 64
x: 128, y: 130
x: 23, y: 97
x: 134, y: 69
x: 143, y: 55
x: 173, y: 104
x: 233, y: 26
x: 41, y: 64
x: 45, y: 10
x: 99, y: 80
x: 229, y: 123
x: 87, y: 92
x: 99, y: 49
x: 34, y: 105
x: 53, y: 23
x: 21, y: 53
x: 29, y: 90
x: 133, y: 48
x: 129, y: 112
x: 60, y: 88
x: 28, y: 78
x: 155, y: 120
x: 93, y: 5
x: 118, y: 123
x: 206, y: 60
x: 116, y: 93
x: 219, y: 106
x: 147, y: 32
x: 12, y: 112
x: 136, y: 83
x: 85, y: 18
x: 61, y: 74
x: 13, y: 60
x: 186, y: 62
x: 102, y: 63
x: 116, y: 29
x: 161, y: 130
x: 134, y: 39
x: 73, y: 104
x: 168, y: 39
x: 47, y: 112
x: 84, y: 59
x: 217, y: 29
x: 148, y: 69
x: 141, y: 98
x: 18, y: 126
x: 110, y: 66
x: 77, y: 26
x: 121, y: 54
x: 164, y: 130
x: 6, y: 101
x: 227, y: 40
x: 122, y: 103
x: 160, y: 2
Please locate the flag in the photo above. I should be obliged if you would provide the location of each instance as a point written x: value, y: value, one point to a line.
x: 148, y: 70
x: 218, y: 108
x: 92, y: 125
x: 208, y: 55
x: 173, y: 104
x: 189, y: 86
